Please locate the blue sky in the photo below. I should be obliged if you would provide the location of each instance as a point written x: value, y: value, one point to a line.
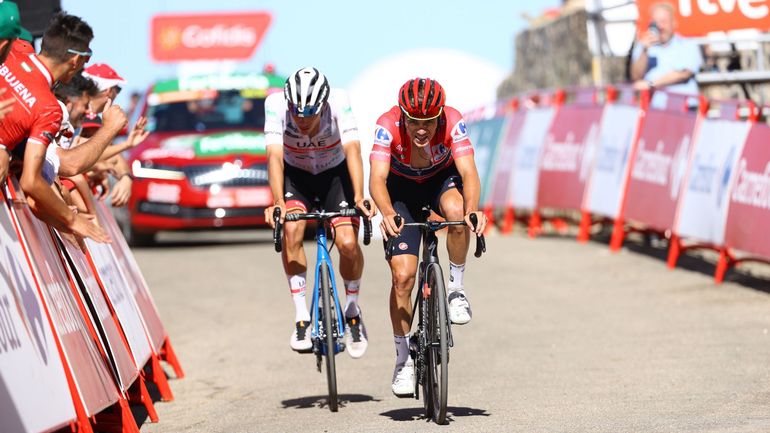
x: 340, y: 37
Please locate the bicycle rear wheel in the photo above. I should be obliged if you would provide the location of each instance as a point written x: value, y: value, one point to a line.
x: 329, y: 321
x: 437, y: 380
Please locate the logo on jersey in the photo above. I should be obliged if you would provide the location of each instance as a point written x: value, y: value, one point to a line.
x: 403, y: 246
x: 459, y: 132
x: 382, y: 136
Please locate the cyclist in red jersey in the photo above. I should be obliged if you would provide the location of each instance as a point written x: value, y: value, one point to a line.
x: 422, y: 156
x: 37, y: 117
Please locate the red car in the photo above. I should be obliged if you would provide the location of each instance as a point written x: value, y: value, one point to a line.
x: 204, y: 164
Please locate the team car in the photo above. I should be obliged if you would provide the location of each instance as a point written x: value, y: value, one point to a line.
x: 204, y: 164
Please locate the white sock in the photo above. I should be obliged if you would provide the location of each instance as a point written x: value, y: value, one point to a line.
x: 297, y: 286
x: 402, y: 348
x: 456, y: 273
x: 351, y: 296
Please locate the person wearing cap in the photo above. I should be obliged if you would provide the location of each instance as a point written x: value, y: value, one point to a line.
x: 10, y: 29
x: 109, y: 83
x: 34, y: 125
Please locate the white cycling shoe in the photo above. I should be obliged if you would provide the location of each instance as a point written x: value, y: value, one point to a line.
x: 403, y: 379
x: 300, y: 337
x: 459, y: 308
x: 355, y: 337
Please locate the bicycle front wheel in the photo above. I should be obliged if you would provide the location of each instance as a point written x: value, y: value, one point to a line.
x: 438, y: 346
x: 329, y: 321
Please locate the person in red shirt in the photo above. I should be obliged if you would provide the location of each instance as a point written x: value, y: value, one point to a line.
x: 36, y: 119
x: 422, y: 156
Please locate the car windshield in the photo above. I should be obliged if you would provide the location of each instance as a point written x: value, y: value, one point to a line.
x: 224, y: 109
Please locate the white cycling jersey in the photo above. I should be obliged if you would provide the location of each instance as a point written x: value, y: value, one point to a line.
x: 317, y: 153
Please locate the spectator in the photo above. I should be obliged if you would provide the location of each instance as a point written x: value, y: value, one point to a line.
x: 65, y: 49
x: 10, y: 27
x: 663, y: 59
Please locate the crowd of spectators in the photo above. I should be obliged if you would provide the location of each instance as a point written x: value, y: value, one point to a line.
x: 58, y: 125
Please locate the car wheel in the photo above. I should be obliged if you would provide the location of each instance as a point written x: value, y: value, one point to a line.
x: 138, y: 239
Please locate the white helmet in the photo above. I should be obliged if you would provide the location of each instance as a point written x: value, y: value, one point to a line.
x: 306, y: 91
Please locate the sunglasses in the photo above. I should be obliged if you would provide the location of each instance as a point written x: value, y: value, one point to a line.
x: 440, y: 110
x: 307, y: 111
x: 86, y: 54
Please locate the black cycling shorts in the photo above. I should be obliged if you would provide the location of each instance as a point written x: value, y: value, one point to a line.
x: 333, y: 188
x: 409, y: 197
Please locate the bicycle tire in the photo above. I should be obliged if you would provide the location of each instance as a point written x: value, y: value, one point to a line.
x: 438, y: 347
x: 329, y: 321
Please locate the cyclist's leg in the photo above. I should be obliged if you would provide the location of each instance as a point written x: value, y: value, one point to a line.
x: 293, y: 255
x: 452, y: 207
x: 339, y: 195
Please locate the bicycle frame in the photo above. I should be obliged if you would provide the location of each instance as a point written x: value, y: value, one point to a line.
x: 322, y: 256
x: 429, y: 257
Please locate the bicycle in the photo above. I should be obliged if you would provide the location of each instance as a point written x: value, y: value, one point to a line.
x: 433, y: 336
x: 327, y: 317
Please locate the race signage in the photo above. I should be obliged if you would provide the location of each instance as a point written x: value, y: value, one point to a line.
x: 700, y: 17
x: 610, y: 168
x: 659, y: 168
x: 501, y: 174
x: 89, y: 369
x: 209, y: 36
x: 567, y: 157
x: 33, y: 387
x: 485, y: 135
x: 527, y: 157
x: 703, y: 207
x: 749, y: 212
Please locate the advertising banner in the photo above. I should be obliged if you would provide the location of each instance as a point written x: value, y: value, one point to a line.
x: 567, y: 157
x: 34, y: 395
x: 500, y: 178
x: 748, y: 216
x: 610, y: 169
x: 124, y: 365
x: 527, y: 157
x: 485, y: 135
x: 207, y: 36
x: 90, y: 370
x: 702, y: 211
x: 134, y: 277
x: 659, y: 167
x: 122, y: 300
x: 700, y: 17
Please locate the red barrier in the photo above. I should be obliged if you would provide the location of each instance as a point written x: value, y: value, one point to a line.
x: 748, y: 214
x: 30, y: 358
x: 95, y: 386
x: 658, y: 170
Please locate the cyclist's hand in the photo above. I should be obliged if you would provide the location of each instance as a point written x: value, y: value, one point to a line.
x: 388, y: 226
x: 369, y: 213
x: 482, y: 222
x: 269, y: 213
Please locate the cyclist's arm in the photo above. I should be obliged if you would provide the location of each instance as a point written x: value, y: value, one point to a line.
x: 466, y: 166
x: 275, y: 172
x: 352, y: 151
x: 379, y: 192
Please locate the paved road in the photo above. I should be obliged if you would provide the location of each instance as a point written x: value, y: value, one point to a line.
x: 565, y: 338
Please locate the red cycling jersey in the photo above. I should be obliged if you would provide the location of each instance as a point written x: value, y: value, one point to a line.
x: 36, y: 116
x: 391, y: 142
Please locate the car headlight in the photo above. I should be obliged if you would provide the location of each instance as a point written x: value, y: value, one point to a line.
x: 149, y: 170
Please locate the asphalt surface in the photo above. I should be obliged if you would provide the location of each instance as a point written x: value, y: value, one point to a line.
x: 565, y: 338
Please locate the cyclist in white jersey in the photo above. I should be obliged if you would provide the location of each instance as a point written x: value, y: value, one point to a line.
x: 314, y: 152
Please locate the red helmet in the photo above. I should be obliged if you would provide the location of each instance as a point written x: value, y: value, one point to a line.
x: 421, y: 98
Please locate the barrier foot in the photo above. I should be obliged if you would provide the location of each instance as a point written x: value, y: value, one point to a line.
x: 167, y: 354
x: 618, y: 235
x: 535, y: 224
x: 724, y: 263
x: 119, y: 420
x: 585, y: 228
x: 158, y: 377
x: 674, y: 249
x: 508, y: 220
x: 138, y: 394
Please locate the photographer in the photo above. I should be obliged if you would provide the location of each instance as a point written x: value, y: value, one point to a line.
x: 661, y: 58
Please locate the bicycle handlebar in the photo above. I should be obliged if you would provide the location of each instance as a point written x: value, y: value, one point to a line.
x: 319, y: 216
x: 481, y: 244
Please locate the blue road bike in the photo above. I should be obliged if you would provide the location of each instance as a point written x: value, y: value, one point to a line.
x: 327, y: 317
